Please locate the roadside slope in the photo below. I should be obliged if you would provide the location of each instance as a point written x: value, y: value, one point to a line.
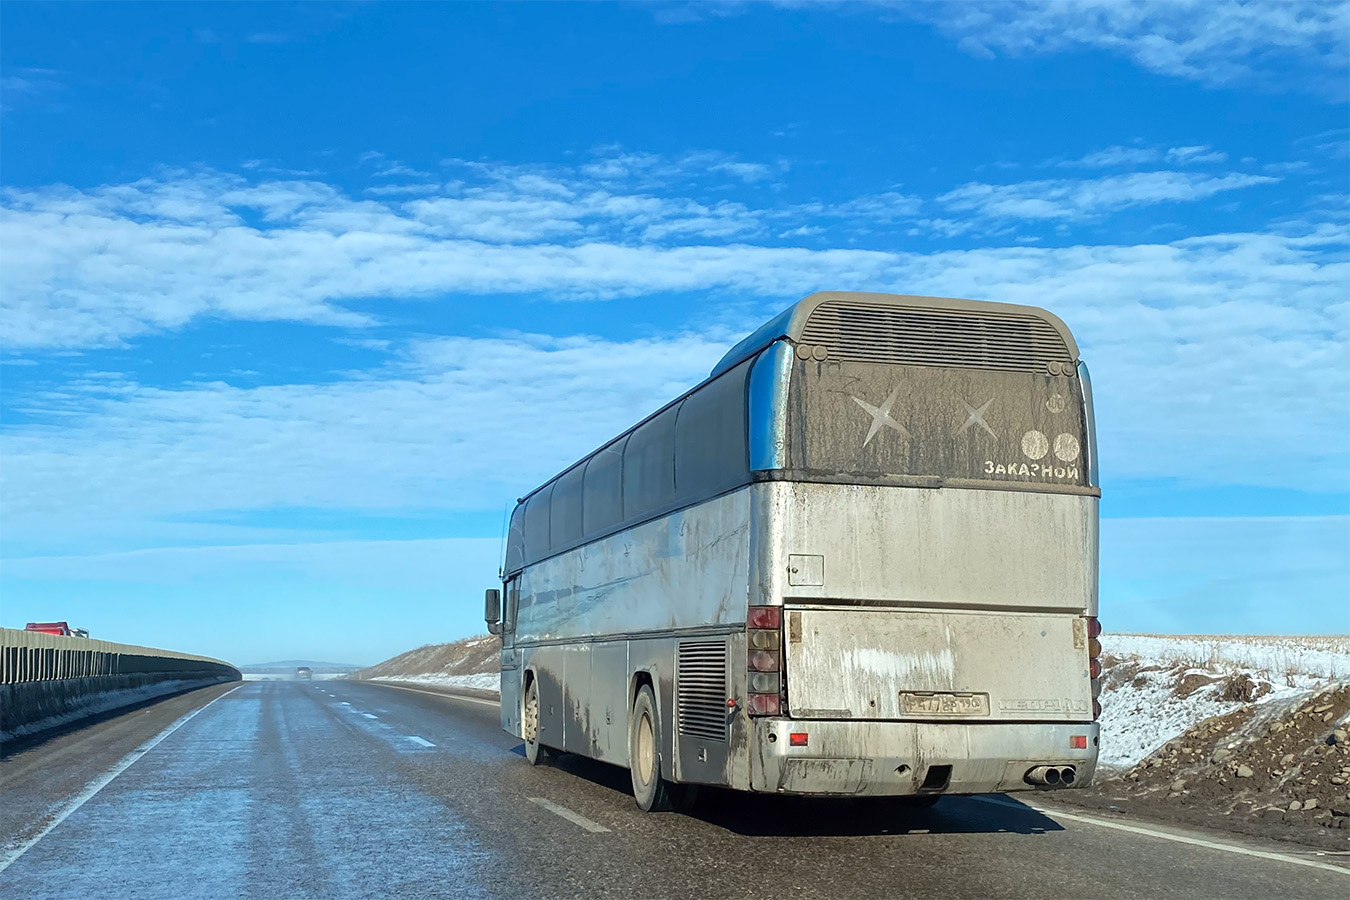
x: 467, y: 663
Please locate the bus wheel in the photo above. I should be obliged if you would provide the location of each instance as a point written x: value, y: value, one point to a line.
x: 651, y: 791
x: 535, y: 753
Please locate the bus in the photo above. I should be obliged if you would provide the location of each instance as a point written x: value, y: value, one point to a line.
x: 859, y: 559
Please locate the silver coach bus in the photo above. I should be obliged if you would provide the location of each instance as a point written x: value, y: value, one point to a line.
x: 860, y: 559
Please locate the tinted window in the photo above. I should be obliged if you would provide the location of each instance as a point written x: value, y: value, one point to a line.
x: 515, y: 539
x: 649, y: 466
x: 565, y: 518
x: 710, y: 449
x: 536, y: 524
x: 603, y: 506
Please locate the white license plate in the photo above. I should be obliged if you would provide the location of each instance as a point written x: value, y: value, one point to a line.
x: 918, y: 703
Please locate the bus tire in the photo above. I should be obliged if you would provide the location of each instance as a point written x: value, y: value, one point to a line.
x: 651, y: 791
x: 536, y: 754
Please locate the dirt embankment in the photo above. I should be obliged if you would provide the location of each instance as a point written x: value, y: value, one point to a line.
x: 1276, y: 769
x: 467, y: 657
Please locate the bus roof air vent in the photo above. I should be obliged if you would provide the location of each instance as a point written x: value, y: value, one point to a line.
x: 927, y: 336
x: 913, y: 330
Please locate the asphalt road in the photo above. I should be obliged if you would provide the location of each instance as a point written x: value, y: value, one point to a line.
x: 338, y: 789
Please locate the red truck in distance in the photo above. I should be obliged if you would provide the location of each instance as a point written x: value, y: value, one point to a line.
x: 60, y: 628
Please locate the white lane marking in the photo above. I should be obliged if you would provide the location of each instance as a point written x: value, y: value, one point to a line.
x: 11, y: 856
x: 369, y: 716
x: 574, y: 818
x: 1168, y: 836
x: 496, y: 703
x: 344, y: 703
x: 417, y: 740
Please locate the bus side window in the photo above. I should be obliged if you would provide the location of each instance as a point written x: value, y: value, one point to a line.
x: 512, y: 606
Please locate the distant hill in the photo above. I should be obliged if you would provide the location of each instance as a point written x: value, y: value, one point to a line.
x: 468, y: 663
x: 288, y: 666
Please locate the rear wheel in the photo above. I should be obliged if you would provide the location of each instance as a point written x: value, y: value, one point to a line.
x: 535, y: 753
x: 652, y: 792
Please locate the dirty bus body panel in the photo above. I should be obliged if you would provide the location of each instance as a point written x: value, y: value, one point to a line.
x: 861, y: 559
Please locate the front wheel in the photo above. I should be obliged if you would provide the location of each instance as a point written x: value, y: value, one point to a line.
x: 652, y: 792
x: 536, y: 754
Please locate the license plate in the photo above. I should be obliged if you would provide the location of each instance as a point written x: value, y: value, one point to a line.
x: 925, y: 704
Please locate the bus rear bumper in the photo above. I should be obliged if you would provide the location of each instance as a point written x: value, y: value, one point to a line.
x: 877, y: 759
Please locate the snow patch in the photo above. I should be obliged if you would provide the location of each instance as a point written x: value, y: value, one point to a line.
x: 482, y: 681
x: 1142, y: 699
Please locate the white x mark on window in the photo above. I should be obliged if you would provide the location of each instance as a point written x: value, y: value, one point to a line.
x: 881, y: 415
x: 976, y: 417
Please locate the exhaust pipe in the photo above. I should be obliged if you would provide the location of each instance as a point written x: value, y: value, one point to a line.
x: 1066, y: 775
x: 1047, y: 776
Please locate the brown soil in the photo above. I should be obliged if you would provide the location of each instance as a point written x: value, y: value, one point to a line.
x: 1274, y: 770
x: 469, y: 656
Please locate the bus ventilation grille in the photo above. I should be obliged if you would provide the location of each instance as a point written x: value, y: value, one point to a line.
x: 701, y: 685
x: 913, y: 336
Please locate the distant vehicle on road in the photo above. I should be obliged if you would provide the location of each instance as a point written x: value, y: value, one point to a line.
x: 60, y: 628
x: 304, y: 673
x: 859, y: 559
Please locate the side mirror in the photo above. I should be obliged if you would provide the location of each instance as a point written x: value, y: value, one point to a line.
x: 492, y: 610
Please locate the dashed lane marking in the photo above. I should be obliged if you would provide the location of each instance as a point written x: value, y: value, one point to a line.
x: 496, y: 703
x: 1168, y: 836
x: 369, y: 716
x: 10, y: 856
x: 417, y: 740
x: 574, y: 818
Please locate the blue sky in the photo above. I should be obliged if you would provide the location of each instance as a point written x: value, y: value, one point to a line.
x: 297, y: 299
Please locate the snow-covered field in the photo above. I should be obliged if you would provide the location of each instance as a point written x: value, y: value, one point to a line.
x: 1157, y: 686
x: 483, y: 681
x: 1275, y: 657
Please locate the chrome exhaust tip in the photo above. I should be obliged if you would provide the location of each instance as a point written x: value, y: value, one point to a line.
x: 1067, y: 775
x: 1042, y: 776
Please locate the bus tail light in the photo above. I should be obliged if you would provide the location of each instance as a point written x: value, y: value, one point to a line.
x: 764, y: 682
x: 797, y: 739
x: 764, y: 660
x: 1094, y: 633
x: 764, y: 617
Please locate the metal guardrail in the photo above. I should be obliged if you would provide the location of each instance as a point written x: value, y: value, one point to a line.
x: 27, y: 656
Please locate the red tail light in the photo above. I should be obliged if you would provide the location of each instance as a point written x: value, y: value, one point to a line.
x: 764, y: 617
x: 797, y: 739
x: 1094, y: 632
x: 764, y: 661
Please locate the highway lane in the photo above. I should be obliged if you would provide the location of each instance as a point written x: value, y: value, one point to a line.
x: 339, y: 789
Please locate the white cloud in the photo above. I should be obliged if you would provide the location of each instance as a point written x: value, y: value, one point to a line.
x: 1189, y: 156
x: 1218, y: 360
x: 1205, y: 40
x: 1128, y: 157
x: 396, y: 190
x: 614, y: 164
x: 1112, y: 157
x: 1072, y: 199
x: 97, y: 267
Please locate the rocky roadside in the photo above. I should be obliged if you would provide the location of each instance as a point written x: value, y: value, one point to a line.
x: 1276, y: 770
